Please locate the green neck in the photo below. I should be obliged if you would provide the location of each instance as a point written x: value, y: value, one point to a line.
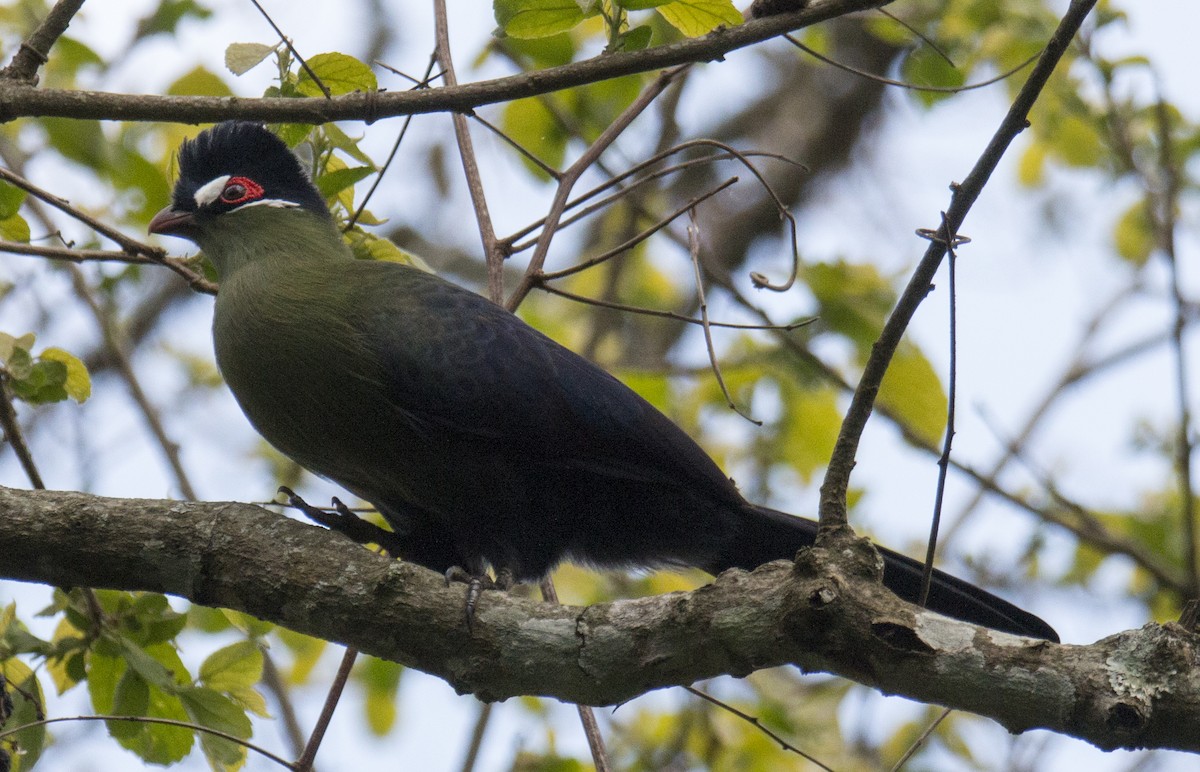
x: 260, y: 233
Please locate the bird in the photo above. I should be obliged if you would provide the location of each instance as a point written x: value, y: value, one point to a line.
x: 482, y: 442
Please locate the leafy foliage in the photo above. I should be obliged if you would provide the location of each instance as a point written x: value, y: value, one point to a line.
x: 132, y: 652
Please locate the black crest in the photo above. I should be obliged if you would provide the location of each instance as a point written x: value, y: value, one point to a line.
x: 244, y: 149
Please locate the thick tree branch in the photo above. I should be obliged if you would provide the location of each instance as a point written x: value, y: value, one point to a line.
x: 827, y: 613
x: 25, y: 101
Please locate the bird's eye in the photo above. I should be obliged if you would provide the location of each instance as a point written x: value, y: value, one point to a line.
x: 239, y: 190
x: 233, y: 193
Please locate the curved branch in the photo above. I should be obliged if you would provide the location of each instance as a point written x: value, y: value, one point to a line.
x: 826, y: 613
x: 832, y: 507
x: 25, y: 101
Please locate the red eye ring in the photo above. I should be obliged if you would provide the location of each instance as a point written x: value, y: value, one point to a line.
x: 239, y: 190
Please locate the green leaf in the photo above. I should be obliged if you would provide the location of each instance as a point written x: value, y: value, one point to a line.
x: 31, y: 740
x: 641, y: 5
x: 148, y: 668
x: 155, y: 743
x: 15, y: 229
x: 531, y: 125
x: 341, y: 74
x: 334, y: 182
x: 852, y: 299
x: 240, y: 58
x: 293, y: 133
x: 67, y: 58
x: 46, y: 382
x: 699, y: 17
x: 368, y: 246
x: 926, y: 67
x: 103, y: 672
x: 813, y: 422
x: 67, y: 666
x: 343, y: 142
x: 1076, y: 141
x: 1031, y: 169
x: 200, y: 82
x: 381, y: 681
x: 251, y: 700
x: 539, y: 18
x: 1133, y: 234
x: 131, y: 698
x: 233, y: 667
x: 216, y: 711
x: 20, y: 364
x: 10, y: 345
x: 912, y: 392
x: 78, y: 384
x: 11, y: 198
x: 247, y: 624
x: 306, y: 652
x: 636, y: 39
x: 167, y: 15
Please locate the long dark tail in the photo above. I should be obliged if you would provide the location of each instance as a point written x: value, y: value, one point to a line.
x: 766, y: 534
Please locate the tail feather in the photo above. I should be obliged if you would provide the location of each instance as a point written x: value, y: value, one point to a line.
x: 766, y: 534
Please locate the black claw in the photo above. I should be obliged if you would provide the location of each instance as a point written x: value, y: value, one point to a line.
x: 345, y: 522
x: 476, y: 583
x: 474, y: 589
x: 504, y: 579
x: 457, y: 574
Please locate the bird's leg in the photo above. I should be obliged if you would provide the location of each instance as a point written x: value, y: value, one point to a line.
x: 345, y: 522
x: 477, y: 582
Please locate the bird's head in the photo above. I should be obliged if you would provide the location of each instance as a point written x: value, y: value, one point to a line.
x: 232, y: 167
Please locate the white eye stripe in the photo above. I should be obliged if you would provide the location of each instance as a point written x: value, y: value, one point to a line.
x: 210, y: 191
x: 276, y: 202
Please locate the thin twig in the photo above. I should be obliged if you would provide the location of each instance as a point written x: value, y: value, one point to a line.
x: 615, y: 181
x: 757, y: 724
x: 832, y: 508
x: 545, y: 168
x: 14, y: 435
x: 493, y: 252
x: 572, y: 174
x: 124, y: 365
x: 1080, y: 368
x: 694, y: 252
x: 904, y: 84
x: 637, y: 239
x: 919, y: 35
x: 1093, y: 533
x: 127, y: 244
x: 70, y: 254
x: 587, y: 716
x: 1084, y: 524
x: 1168, y: 199
x: 35, y: 50
x: 150, y: 720
x: 387, y: 164
x: 305, y: 762
x: 950, y: 240
x: 273, y: 680
x: 288, y: 42
x: 477, y: 732
x: 674, y: 316
x: 920, y: 741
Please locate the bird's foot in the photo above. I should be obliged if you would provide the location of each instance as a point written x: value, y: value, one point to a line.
x: 345, y: 522
x: 476, y: 584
